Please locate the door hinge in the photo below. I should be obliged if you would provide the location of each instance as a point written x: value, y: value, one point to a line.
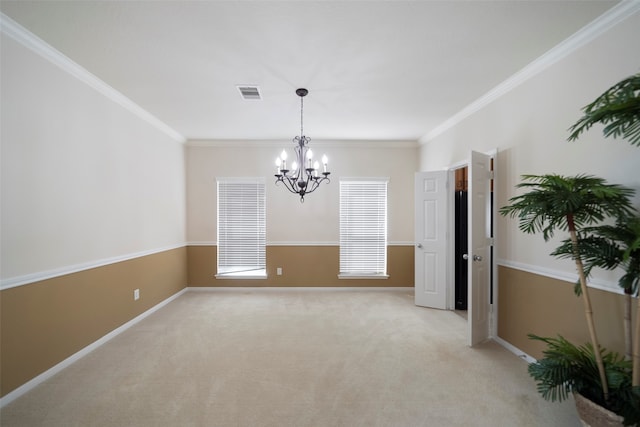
x: 490, y: 174
x: 490, y: 241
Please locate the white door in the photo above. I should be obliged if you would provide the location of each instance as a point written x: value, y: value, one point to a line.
x: 431, y: 221
x: 479, y: 232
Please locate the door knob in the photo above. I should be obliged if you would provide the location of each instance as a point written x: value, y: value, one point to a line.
x: 465, y: 256
x: 419, y: 245
x: 477, y: 258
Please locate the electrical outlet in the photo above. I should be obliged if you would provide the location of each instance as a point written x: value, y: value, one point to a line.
x: 136, y: 294
x: 279, y: 271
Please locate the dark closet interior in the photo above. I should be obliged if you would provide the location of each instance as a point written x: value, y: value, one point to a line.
x: 461, y: 242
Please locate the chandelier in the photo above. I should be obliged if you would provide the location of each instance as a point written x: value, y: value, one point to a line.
x: 304, y: 176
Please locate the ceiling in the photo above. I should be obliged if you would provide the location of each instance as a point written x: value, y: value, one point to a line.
x: 375, y: 70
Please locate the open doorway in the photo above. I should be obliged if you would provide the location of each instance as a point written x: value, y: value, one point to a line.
x: 435, y: 247
x: 461, y: 237
x: 460, y: 226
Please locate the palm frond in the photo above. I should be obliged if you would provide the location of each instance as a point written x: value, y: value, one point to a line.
x: 618, y: 109
x: 619, y: 246
x: 594, y: 252
x: 566, y: 368
x: 555, y: 202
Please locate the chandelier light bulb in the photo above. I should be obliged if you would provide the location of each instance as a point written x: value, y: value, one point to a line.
x: 309, y: 157
x: 325, y: 160
x: 294, y: 165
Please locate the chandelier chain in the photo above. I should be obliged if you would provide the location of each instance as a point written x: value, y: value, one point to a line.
x: 301, y: 116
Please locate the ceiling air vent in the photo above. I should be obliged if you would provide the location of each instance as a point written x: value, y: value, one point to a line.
x: 250, y: 92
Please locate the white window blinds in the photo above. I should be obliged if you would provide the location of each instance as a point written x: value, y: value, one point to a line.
x: 241, y: 226
x: 363, y: 227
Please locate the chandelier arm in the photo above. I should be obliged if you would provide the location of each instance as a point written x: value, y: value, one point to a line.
x: 316, y: 183
x: 287, y: 184
x: 313, y: 187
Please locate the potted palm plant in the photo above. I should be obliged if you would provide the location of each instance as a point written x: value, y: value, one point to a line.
x: 605, y: 246
x: 618, y: 109
x: 555, y: 202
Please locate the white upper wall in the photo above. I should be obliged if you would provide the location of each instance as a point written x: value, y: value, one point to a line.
x: 316, y: 221
x: 528, y: 125
x: 84, y: 180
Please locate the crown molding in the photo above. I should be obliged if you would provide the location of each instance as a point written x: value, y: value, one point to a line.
x: 29, y: 40
x: 283, y: 143
x: 597, y: 27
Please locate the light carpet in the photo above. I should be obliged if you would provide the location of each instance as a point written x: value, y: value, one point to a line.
x: 313, y: 358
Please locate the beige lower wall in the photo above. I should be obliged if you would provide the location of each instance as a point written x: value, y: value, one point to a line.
x: 301, y: 266
x: 532, y: 303
x: 45, y: 322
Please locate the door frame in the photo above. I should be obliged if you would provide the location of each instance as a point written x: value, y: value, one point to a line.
x: 493, y: 308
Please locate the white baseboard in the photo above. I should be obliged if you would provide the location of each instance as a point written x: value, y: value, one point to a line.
x: 31, y: 384
x: 298, y: 289
x: 88, y: 349
x: 515, y: 350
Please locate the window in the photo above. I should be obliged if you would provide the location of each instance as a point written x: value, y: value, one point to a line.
x: 363, y: 228
x: 241, y: 228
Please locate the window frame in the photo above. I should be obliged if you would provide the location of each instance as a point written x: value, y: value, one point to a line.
x: 351, y: 245
x: 230, y: 256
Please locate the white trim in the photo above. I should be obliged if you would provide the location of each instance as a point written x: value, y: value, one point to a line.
x: 26, y: 279
x: 493, y: 326
x: 600, y: 25
x: 202, y: 243
x: 299, y: 288
x: 279, y: 143
x: 285, y: 243
x: 10, y: 397
x: 602, y: 285
x: 458, y: 165
x: 29, y: 40
x: 362, y: 276
x: 515, y: 350
x: 13, y: 282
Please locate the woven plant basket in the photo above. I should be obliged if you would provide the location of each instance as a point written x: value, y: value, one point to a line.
x: 593, y: 415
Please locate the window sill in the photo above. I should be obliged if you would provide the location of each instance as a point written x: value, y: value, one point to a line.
x: 243, y: 275
x: 363, y: 276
